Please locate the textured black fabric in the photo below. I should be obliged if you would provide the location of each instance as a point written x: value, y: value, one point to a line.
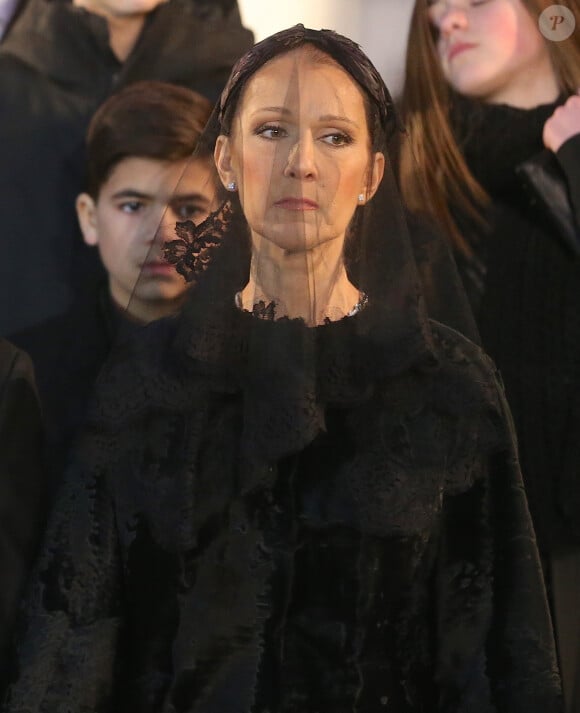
x: 445, y: 299
x: 527, y: 311
x: 22, y: 486
x: 56, y: 68
x: 388, y: 564
x: 67, y: 353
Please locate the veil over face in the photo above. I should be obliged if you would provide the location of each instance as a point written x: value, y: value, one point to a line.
x: 309, y: 230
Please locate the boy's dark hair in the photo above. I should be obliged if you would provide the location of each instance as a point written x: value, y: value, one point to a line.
x: 147, y: 119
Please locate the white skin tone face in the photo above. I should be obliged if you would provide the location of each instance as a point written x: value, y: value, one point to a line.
x: 300, y: 154
x: 493, y: 50
x: 134, y: 215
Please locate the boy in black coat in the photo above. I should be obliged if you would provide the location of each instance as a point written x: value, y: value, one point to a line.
x: 142, y: 180
x: 59, y: 62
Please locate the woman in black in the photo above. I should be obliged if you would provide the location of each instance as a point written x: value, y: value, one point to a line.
x: 301, y: 494
x: 494, y: 158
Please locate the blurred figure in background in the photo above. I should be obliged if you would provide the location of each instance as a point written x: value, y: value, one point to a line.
x: 142, y: 181
x: 493, y: 113
x: 9, y: 11
x: 60, y: 61
x: 21, y: 485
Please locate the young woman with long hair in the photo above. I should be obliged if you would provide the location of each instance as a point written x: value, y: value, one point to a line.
x: 493, y: 157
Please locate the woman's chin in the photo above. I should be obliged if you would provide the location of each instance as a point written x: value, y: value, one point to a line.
x: 295, y: 242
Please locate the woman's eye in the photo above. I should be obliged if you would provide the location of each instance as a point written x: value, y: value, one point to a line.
x: 131, y: 206
x: 337, y: 139
x: 271, y: 131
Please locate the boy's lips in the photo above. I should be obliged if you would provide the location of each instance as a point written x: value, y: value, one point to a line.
x: 157, y: 267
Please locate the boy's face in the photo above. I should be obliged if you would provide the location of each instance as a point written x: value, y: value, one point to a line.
x: 134, y: 215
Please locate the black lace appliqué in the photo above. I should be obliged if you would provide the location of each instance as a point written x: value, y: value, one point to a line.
x: 262, y: 310
x: 193, y: 250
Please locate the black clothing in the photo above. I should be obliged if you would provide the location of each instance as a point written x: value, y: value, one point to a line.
x: 56, y: 68
x: 389, y: 563
x: 564, y: 578
x: 21, y: 485
x: 527, y: 311
x: 68, y: 352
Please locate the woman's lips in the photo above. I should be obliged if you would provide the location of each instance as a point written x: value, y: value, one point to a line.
x: 458, y: 48
x: 296, y: 204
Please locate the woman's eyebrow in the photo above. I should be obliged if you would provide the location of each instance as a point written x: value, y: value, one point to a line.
x: 286, y: 112
x: 336, y: 117
x: 274, y: 109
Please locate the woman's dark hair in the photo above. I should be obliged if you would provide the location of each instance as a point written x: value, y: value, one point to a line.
x: 381, y: 116
x: 147, y: 119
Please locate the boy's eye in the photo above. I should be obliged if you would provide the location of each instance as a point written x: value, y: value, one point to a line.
x: 131, y: 206
x: 190, y: 211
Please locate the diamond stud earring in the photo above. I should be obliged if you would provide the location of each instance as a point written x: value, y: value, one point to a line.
x: 361, y: 197
x: 232, y: 186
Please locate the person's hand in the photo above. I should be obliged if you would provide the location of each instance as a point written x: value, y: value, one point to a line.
x: 563, y: 124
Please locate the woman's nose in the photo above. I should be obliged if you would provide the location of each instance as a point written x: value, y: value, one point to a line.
x: 301, y: 160
x: 451, y: 16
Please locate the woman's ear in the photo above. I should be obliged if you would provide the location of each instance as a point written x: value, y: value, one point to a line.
x: 223, y: 160
x: 87, y: 216
x: 376, y: 173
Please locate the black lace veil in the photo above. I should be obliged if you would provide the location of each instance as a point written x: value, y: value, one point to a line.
x: 401, y: 270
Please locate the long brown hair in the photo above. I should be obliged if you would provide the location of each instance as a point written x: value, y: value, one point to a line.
x: 433, y: 172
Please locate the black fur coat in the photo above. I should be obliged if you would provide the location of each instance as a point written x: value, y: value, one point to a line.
x: 368, y: 550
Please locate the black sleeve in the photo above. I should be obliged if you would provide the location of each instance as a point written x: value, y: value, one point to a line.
x: 22, y: 485
x: 568, y: 157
